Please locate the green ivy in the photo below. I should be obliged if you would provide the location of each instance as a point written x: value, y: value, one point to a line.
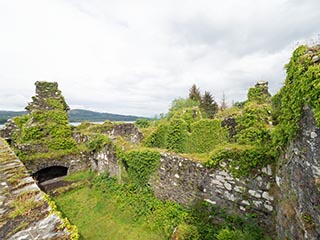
x: 258, y: 94
x: 97, y: 142
x: 143, y: 123
x: 158, y: 138
x: 205, y: 135
x: 177, y: 135
x: 241, y: 160
x: 140, y: 165
x: 302, y: 87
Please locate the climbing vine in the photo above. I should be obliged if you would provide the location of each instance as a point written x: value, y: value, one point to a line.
x: 302, y: 87
x: 140, y: 165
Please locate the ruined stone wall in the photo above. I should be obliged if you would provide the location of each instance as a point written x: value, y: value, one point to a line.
x: 106, y: 160
x: 25, y: 213
x: 74, y: 163
x: 185, y: 181
x: 298, y: 179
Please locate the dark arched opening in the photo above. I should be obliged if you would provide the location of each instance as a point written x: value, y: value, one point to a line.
x: 49, y: 173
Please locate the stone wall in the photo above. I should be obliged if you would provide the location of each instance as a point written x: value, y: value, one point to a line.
x: 24, y: 211
x: 185, y: 181
x: 74, y: 163
x: 106, y: 160
x: 298, y: 179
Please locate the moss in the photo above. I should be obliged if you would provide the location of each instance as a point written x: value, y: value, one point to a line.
x: 24, y: 204
x: 242, y: 160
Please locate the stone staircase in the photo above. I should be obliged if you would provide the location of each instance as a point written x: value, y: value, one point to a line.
x: 25, y: 211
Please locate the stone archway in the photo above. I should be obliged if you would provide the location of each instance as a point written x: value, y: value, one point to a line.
x: 49, y: 173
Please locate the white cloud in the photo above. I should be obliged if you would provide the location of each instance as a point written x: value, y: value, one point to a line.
x: 135, y: 57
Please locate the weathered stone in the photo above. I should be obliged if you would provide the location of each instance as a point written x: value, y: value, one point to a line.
x: 242, y: 208
x: 39, y: 222
x: 313, y: 135
x: 268, y: 207
x: 229, y: 196
x: 258, y: 204
x: 297, y: 186
x: 254, y: 193
x: 315, y: 58
x: 266, y: 195
x: 239, y: 189
x: 228, y: 186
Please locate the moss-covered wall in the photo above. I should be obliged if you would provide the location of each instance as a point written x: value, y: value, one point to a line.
x: 25, y: 211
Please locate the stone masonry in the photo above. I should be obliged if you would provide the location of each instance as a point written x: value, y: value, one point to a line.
x: 298, y: 179
x: 24, y: 209
x: 185, y: 181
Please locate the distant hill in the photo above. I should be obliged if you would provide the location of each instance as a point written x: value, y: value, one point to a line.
x: 5, y: 115
x: 77, y: 115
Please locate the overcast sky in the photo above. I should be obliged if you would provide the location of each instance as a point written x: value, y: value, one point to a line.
x: 135, y: 57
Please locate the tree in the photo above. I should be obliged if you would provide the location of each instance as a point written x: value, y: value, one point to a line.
x: 208, y: 105
x: 194, y: 93
x: 223, y: 102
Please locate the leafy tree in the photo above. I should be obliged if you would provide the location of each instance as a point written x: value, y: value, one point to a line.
x: 208, y: 105
x: 194, y: 93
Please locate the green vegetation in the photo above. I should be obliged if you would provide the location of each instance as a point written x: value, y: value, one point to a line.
x: 5, y: 115
x: 143, y: 123
x: 301, y: 89
x: 110, y: 210
x: 241, y: 160
x: 205, y: 135
x: 97, y: 142
x: 188, y: 128
x: 140, y: 165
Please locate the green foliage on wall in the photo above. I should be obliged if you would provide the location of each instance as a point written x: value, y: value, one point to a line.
x: 97, y: 142
x: 240, y: 160
x: 253, y: 124
x: 46, y: 132
x: 205, y: 135
x: 302, y: 87
x: 258, y: 94
x: 177, y: 135
x: 158, y: 138
x: 143, y: 123
x: 140, y: 165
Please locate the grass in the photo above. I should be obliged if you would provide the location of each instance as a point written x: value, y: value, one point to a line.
x: 98, y: 217
x: 79, y: 176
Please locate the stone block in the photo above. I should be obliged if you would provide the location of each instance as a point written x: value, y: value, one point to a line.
x: 254, y: 193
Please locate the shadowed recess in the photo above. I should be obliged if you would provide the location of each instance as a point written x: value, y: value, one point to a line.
x: 48, y: 173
